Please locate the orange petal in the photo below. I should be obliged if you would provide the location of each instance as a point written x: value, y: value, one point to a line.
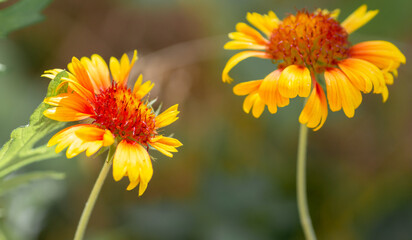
x: 269, y: 92
x: 64, y: 114
x: 246, y: 87
x: 363, y: 74
x: 72, y: 101
x: 341, y: 93
x: 81, y: 75
x: 315, y: 112
x: 295, y: 80
x: 234, y: 60
x: 383, y: 54
x: 98, y: 72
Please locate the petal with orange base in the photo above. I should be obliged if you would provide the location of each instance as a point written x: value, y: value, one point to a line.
x: 121, y: 70
x: 269, y: 92
x: 68, y: 101
x: 295, y: 80
x: 363, y: 75
x: 358, y: 18
x: 341, y: 93
x: 64, y: 114
x: 383, y: 54
x: 98, y: 71
x: 81, y: 75
x: 234, y: 60
x: 315, y: 112
x: 81, y: 137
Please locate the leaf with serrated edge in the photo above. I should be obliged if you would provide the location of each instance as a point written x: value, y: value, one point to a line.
x: 19, y: 150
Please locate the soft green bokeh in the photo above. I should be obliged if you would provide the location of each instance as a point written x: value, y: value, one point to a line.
x: 234, y: 177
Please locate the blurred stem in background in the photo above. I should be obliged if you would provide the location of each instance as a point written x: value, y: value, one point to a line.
x: 84, y: 219
x: 301, y: 184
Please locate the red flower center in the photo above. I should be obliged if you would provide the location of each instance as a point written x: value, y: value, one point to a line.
x: 125, y: 115
x: 313, y: 40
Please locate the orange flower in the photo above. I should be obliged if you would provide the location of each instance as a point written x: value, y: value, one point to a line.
x: 118, y: 114
x: 306, y: 45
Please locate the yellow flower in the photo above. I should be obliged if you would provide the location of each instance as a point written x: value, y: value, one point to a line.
x: 118, y: 114
x: 306, y: 45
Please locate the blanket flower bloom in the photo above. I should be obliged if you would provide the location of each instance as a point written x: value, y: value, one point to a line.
x: 116, y: 114
x: 306, y: 45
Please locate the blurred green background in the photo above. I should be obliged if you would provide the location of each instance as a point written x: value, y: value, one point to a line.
x: 234, y: 178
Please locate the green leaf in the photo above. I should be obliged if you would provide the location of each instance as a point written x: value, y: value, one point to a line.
x: 22, y: 179
x: 21, y: 14
x: 20, y: 150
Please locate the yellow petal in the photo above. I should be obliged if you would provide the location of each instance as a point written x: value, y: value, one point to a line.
x: 269, y: 91
x: 248, y: 30
x: 234, y: 60
x: 120, y: 160
x: 358, y: 18
x: 235, y: 45
x: 121, y: 70
x: 165, y: 145
x: 246, y: 87
x: 265, y: 23
x: 140, y: 90
x: 258, y: 107
x: 167, y: 117
x: 295, y: 80
x: 68, y: 137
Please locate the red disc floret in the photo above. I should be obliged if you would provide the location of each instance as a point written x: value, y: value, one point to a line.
x: 124, y: 114
x: 313, y: 40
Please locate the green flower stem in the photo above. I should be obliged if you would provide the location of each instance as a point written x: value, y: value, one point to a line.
x: 84, y: 219
x: 301, y: 185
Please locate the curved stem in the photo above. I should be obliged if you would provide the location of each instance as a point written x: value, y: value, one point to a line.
x: 94, y: 194
x: 301, y: 185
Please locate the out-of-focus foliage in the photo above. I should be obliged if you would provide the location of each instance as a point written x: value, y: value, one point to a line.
x: 20, y: 150
x: 21, y: 14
